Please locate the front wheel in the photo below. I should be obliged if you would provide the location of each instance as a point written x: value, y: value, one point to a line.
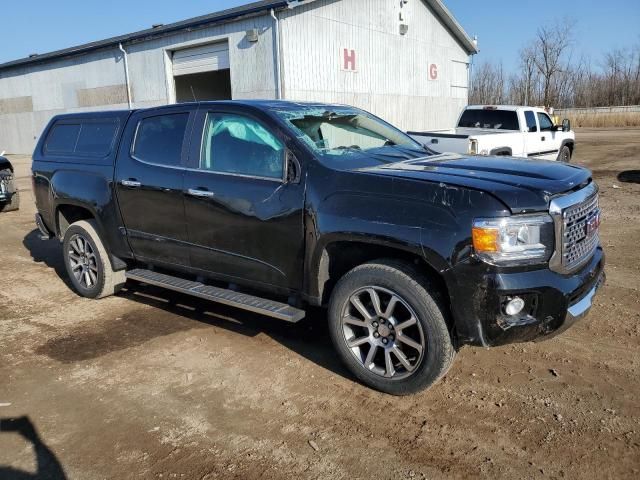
x: 87, y: 262
x: 565, y: 154
x: 389, y: 329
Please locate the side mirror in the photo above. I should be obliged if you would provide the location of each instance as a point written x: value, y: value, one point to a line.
x: 566, y: 125
x: 533, y: 129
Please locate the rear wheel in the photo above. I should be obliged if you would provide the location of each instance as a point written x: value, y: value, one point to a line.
x: 87, y: 262
x: 389, y: 329
x: 565, y: 154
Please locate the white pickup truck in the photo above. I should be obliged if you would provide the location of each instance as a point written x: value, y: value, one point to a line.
x: 504, y: 130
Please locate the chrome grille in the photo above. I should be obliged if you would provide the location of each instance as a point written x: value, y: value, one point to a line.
x: 577, y: 218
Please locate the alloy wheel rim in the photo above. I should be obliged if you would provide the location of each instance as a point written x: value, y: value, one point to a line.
x: 383, y: 333
x: 83, y: 261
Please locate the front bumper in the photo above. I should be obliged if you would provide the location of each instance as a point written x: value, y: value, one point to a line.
x: 554, y: 301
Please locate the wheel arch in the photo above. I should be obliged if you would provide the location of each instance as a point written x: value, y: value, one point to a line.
x: 568, y: 143
x: 501, y: 151
x: 68, y: 212
x: 339, y: 256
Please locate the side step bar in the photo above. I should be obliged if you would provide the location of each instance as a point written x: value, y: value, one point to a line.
x: 278, y: 310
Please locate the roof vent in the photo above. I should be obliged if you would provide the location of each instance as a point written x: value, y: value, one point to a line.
x: 157, y: 25
x: 32, y: 55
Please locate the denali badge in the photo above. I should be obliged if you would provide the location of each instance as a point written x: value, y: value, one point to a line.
x: 592, y: 223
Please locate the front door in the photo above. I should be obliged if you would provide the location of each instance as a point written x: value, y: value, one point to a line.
x: 542, y: 140
x: 550, y: 143
x: 533, y: 138
x: 245, y: 221
x: 149, y: 183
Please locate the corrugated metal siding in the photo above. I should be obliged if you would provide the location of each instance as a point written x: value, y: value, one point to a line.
x: 391, y: 78
x: 392, y: 69
x: 96, y: 81
x: 67, y: 85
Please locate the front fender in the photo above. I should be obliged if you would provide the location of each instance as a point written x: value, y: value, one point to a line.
x: 386, y: 221
x: 5, y: 164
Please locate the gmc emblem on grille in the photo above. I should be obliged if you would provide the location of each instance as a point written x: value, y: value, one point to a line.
x: 592, y: 223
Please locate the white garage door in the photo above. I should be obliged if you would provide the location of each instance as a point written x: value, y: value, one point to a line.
x: 207, y: 58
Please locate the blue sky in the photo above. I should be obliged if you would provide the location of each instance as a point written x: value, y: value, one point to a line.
x: 502, y: 26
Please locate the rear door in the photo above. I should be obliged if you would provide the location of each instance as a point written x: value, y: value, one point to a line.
x: 245, y: 221
x: 149, y: 182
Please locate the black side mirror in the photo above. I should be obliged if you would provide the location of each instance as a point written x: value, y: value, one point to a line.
x: 533, y: 129
x: 294, y: 171
x: 566, y: 125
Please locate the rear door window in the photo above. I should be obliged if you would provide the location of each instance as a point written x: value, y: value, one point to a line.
x: 531, y: 121
x: 489, y: 119
x: 159, y: 139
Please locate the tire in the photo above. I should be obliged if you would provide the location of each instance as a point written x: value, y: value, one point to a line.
x: 14, y: 203
x: 415, y: 297
x: 87, y: 262
x: 565, y: 154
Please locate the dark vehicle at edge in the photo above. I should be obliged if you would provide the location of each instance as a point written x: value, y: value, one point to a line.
x: 274, y: 206
x: 9, y: 195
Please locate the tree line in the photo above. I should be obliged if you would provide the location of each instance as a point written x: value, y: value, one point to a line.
x: 551, y: 75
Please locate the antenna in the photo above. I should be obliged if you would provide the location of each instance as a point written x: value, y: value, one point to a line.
x: 193, y: 93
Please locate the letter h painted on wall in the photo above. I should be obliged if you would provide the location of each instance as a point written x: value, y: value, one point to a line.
x: 348, y: 60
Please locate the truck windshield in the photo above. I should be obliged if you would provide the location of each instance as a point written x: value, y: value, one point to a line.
x: 494, y: 119
x: 342, y: 130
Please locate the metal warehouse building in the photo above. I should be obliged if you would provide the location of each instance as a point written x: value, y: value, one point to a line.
x: 406, y: 61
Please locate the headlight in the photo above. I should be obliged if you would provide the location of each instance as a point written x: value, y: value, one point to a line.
x: 517, y: 240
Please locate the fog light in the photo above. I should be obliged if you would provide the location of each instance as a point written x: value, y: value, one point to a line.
x: 514, y: 306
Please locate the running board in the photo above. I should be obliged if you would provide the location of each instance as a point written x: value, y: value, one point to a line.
x: 278, y: 310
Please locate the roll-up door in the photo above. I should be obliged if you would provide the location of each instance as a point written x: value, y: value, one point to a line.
x: 205, y: 58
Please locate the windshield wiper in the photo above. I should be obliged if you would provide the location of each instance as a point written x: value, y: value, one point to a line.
x: 351, y: 147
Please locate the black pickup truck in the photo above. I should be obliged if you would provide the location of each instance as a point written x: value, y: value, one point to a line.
x: 274, y: 206
x: 9, y: 195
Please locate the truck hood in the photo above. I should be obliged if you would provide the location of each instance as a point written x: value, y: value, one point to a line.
x: 522, y: 185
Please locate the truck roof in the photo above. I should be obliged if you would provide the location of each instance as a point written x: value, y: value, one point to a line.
x: 261, y: 104
x: 511, y: 108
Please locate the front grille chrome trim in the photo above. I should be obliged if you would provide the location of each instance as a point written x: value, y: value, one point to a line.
x: 585, y: 199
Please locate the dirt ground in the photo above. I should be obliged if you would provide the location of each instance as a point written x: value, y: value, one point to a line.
x: 149, y: 384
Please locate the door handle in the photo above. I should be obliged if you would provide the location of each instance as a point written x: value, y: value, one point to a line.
x: 196, y: 192
x: 543, y: 138
x: 131, y: 183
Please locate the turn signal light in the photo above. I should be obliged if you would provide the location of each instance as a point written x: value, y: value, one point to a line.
x: 485, y: 239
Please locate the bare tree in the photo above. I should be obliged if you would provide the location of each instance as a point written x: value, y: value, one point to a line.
x: 528, y: 65
x: 550, y: 48
x: 488, y: 85
x: 549, y: 75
